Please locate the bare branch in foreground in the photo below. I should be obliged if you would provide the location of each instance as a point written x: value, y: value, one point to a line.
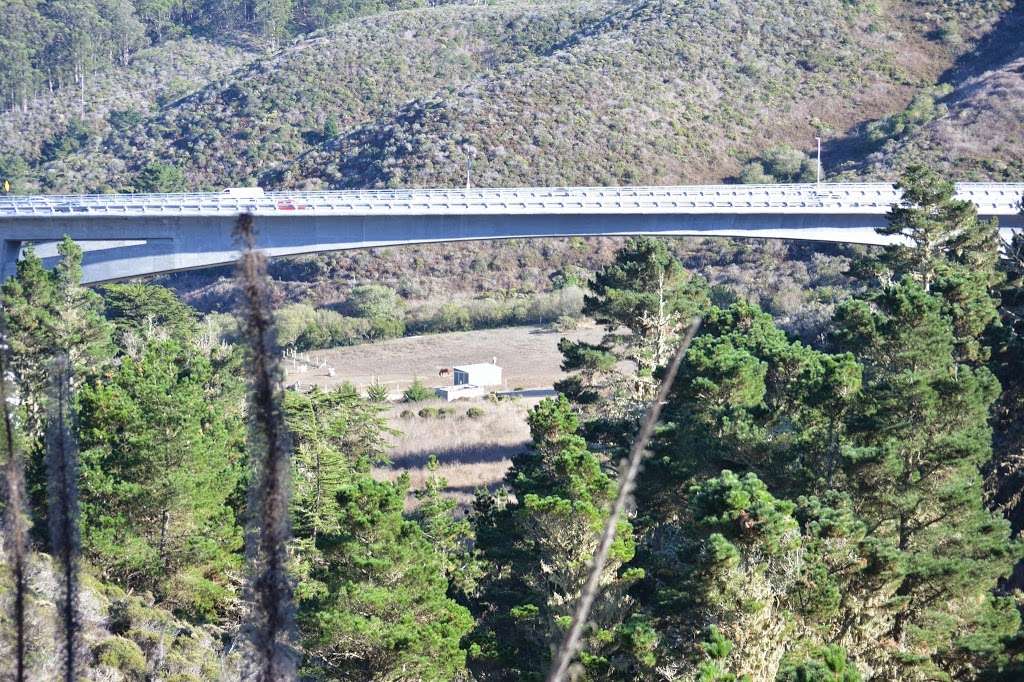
x: 271, y: 622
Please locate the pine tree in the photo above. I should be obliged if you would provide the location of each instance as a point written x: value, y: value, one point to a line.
x: 49, y: 315
x: 748, y: 399
x: 918, y: 436
x: 335, y: 433
x: 951, y: 253
x: 49, y: 312
x: 536, y: 550
x: 373, y: 606
x: 450, y: 537
x: 647, y: 292
x: 137, y: 310
x: 372, y: 586
x: 161, y: 460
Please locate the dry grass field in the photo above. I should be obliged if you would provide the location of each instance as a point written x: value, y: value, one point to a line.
x: 528, y: 356
x: 472, y: 452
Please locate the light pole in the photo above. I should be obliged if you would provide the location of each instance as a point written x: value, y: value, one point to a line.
x: 818, y: 169
x: 469, y: 164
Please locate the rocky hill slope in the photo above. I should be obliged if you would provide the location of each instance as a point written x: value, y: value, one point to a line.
x: 979, y: 131
x: 577, y: 91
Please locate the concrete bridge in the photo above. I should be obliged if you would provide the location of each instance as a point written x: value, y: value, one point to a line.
x: 144, y: 234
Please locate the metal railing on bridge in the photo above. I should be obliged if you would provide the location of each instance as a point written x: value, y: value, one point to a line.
x: 991, y: 198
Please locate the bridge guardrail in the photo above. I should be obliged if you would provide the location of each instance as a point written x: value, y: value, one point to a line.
x: 992, y: 199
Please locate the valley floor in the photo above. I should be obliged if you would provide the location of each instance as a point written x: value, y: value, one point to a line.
x: 528, y: 356
x: 472, y: 452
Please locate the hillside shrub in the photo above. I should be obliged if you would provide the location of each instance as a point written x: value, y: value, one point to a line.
x: 381, y: 307
x: 123, y: 655
x: 475, y: 412
x: 303, y: 327
x: 68, y: 141
x: 417, y: 392
x: 158, y: 177
x: 123, y: 119
x: 781, y: 164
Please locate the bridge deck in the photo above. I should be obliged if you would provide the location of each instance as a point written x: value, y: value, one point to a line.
x: 131, y: 235
x: 868, y: 198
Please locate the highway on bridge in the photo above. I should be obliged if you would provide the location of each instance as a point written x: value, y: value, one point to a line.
x: 132, y: 235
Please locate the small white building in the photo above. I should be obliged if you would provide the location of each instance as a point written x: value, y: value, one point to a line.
x: 480, y: 374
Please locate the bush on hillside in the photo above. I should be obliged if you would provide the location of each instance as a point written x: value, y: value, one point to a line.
x: 417, y: 392
x: 381, y: 307
x: 68, y: 141
x: 782, y: 164
x: 160, y: 177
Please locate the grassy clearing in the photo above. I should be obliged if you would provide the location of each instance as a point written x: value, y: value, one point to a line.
x: 472, y: 452
x: 528, y: 356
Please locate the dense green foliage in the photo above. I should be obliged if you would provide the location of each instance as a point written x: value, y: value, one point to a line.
x: 813, y: 508
x: 536, y: 549
x: 808, y: 512
x: 161, y: 462
x: 857, y: 513
x: 645, y: 300
x: 372, y: 593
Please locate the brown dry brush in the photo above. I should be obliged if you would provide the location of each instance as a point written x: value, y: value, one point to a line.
x: 62, y: 496
x: 270, y: 627
x: 16, y: 523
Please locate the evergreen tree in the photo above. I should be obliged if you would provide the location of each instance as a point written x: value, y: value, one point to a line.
x: 828, y: 664
x: 747, y: 584
x: 160, y: 177
x: 536, y: 550
x: 748, y: 399
x: 138, y: 310
x: 372, y: 589
x: 161, y: 460
x: 918, y: 436
x: 645, y: 299
x: 951, y: 253
x: 335, y: 433
x: 49, y: 312
x: 738, y: 571
x: 49, y: 315
x: 450, y: 537
x: 374, y: 606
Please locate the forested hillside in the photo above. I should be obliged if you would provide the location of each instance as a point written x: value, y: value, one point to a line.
x: 844, y: 509
x: 833, y: 494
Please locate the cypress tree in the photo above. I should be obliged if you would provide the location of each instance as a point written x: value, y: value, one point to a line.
x: 644, y: 299
x: 373, y: 602
x: 536, y: 544
x: 918, y: 437
x: 951, y: 253
x: 161, y: 442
